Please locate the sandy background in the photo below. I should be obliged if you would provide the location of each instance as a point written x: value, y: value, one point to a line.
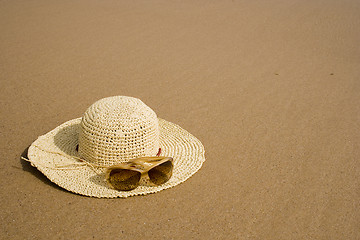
x: 271, y: 88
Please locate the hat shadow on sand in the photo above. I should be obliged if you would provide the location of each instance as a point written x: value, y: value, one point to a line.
x: 72, y: 131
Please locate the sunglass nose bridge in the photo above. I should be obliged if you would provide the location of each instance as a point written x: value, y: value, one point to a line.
x: 137, y: 166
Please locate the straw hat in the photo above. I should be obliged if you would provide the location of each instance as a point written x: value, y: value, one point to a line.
x: 113, y: 130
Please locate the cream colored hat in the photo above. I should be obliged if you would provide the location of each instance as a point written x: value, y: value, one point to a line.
x: 113, y: 130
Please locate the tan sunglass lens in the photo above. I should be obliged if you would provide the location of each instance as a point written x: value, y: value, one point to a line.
x: 162, y: 173
x: 124, y: 180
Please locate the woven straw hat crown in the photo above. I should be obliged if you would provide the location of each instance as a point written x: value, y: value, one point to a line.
x: 116, y: 129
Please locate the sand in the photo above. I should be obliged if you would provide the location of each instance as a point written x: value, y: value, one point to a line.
x: 271, y: 88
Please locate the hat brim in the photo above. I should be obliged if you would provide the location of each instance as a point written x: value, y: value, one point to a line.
x: 52, y: 154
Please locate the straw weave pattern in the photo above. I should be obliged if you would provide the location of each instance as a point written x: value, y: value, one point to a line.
x: 116, y: 129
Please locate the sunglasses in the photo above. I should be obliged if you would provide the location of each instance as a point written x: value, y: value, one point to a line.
x: 126, y: 176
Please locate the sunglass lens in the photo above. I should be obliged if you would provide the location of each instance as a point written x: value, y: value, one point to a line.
x: 162, y: 173
x: 124, y: 179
